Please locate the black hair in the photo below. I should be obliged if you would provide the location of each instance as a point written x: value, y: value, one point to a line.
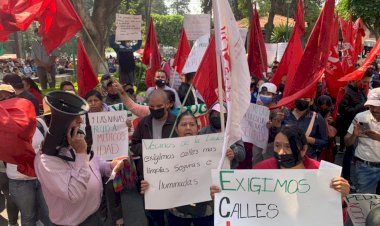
x: 368, y: 73
x: 183, y: 114
x: 14, y: 80
x: 296, y: 137
x: 189, y: 76
x: 65, y: 83
x: 171, y: 96
x: 95, y: 93
x: 32, y: 84
x: 324, y: 100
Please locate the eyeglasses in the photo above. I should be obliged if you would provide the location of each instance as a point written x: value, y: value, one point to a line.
x: 279, y: 146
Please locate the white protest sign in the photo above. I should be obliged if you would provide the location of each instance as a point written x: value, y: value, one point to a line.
x: 175, y: 79
x: 281, y: 50
x: 359, y: 205
x: 328, y: 165
x: 254, y: 126
x: 128, y: 27
x: 243, y: 34
x: 271, y: 49
x: 197, y: 25
x: 196, y: 55
x: 276, y: 197
x: 109, y: 134
x: 179, y: 169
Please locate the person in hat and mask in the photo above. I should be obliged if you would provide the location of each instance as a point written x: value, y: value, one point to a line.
x: 111, y: 96
x: 236, y: 153
x: 193, y: 97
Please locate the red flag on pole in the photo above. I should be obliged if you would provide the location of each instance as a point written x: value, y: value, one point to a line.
x: 359, y: 34
x: 17, y: 127
x: 205, y: 80
x: 334, y: 69
x: 151, y: 56
x: 86, y: 76
x: 358, y: 74
x: 257, y: 55
x: 59, y: 23
x: 314, y: 59
x: 293, y: 53
x: 183, y: 52
x: 349, y: 56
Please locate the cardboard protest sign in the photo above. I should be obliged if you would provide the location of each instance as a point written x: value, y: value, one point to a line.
x: 109, y: 134
x: 271, y: 49
x: 128, y: 27
x: 179, y: 169
x: 281, y: 47
x: 254, y: 126
x: 196, y: 54
x: 276, y: 197
x: 359, y: 206
x: 197, y: 25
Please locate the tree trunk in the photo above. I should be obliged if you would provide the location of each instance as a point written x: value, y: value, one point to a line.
x: 269, y: 26
x: 98, y: 26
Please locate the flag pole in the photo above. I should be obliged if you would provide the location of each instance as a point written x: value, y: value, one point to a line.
x: 220, y: 91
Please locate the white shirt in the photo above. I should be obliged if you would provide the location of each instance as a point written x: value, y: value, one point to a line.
x: 367, y: 149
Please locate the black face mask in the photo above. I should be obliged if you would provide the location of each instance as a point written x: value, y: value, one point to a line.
x: 286, y: 161
x: 160, y: 83
x: 281, y: 88
x: 157, y: 113
x: 113, y: 96
x: 215, y: 122
x: 301, y: 105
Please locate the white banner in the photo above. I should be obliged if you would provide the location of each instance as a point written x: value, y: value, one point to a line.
x: 197, y: 25
x: 271, y: 49
x: 196, y: 54
x: 179, y: 169
x: 128, y: 27
x: 243, y: 34
x: 277, y: 197
x: 109, y: 134
x: 359, y: 205
x: 254, y: 126
x: 281, y: 50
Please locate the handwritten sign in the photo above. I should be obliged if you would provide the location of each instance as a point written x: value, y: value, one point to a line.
x: 128, y: 27
x: 276, y: 197
x: 254, y: 126
x: 109, y: 134
x: 359, y: 206
x: 180, y: 168
x: 196, y: 55
x: 197, y: 25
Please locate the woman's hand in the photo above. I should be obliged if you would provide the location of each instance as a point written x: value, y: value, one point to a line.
x: 116, y: 85
x: 117, y: 165
x: 230, y: 154
x: 214, y: 189
x: 340, y: 185
x: 77, y: 141
x: 144, y: 186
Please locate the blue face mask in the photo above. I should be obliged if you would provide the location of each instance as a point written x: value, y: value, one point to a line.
x: 266, y: 99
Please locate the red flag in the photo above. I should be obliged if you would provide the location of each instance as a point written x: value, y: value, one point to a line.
x: 257, y: 55
x: 293, y: 53
x: 87, y: 79
x: 359, y: 34
x: 313, y: 60
x: 17, y: 15
x: 183, y: 52
x: 358, y: 74
x: 17, y: 127
x: 334, y: 69
x: 349, y: 56
x: 151, y: 56
x: 205, y: 80
x: 59, y: 23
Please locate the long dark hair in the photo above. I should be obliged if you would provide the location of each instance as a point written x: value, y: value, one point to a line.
x: 296, y: 137
x: 31, y: 83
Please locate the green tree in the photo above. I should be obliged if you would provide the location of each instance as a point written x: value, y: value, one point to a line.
x: 180, y: 7
x: 159, y: 7
x: 365, y: 9
x: 168, y: 29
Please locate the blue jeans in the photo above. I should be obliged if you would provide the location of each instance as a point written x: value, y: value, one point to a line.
x: 368, y: 177
x: 28, y: 196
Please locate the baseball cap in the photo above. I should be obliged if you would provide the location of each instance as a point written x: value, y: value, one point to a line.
x: 7, y: 88
x: 216, y: 107
x: 272, y: 88
x: 373, y: 98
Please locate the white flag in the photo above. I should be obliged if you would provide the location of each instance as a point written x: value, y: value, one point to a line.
x: 196, y: 54
x: 237, y: 80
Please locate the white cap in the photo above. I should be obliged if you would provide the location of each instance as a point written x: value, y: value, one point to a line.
x: 373, y: 98
x: 272, y: 88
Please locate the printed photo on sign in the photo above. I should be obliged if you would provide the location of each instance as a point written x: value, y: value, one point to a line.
x: 276, y: 197
x: 177, y: 166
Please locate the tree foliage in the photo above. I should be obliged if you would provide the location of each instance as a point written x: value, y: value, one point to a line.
x: 365, y: 9
x: 168, y: 29
x: 180, y: 7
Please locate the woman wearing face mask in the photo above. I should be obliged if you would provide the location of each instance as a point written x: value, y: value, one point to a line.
x: 290, y: 147
x: 198, y: 214
x: 311, y: 123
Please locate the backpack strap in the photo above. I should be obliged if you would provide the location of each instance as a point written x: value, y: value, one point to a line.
x: 311, y: 125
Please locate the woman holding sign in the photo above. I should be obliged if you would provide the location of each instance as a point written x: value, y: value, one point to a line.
x: 290, y: 147
x: 199, y: 214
